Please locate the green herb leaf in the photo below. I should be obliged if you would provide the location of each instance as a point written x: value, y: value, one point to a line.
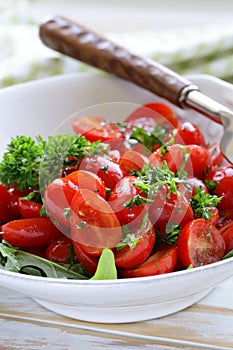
x: 17, y: 260
x: 149, y: 140
x: 202, y: 202
x: 106, y: 269
x: 171, y: 233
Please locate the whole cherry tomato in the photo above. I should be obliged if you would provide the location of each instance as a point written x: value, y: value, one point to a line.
x: 96, y: 128
x: 161, y: 113
x: 168, y: 209
x: 88, y: 261
x: 5, y: 214
x: 162, y: 261
x: 227, y: 235
x: 94, y: 225
x: 124, y: 192
x: 220, y: 182
x: 60, y: 251
x: 188, y: 134
x: 29, y: 209
x: 26, y: 233
x: 103, y: 167
x: 200, y: 243
x: 200, y: 160
x: 173, y: 155
x: 129, y: 257
x: 216, y: 155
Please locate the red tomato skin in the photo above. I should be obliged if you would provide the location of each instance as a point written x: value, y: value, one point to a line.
x: 200, y: 243
x: 94, y: 225
x: 200, y: 160
x: 162, y: 261
x: 173, y: 210
x: 28, y: 233
x: 60, y: 192
x: 223, y: 177
x: 15, y: 194
x: 29, y: 209
x: 188, y: 133
x: 216, y: 155
x: 227, y: 235
x: 59, y: 250
x: 127, y: 258
x: 159, y: 112
x: 96, y: 128
x: 88, y: 261
x: 5, y: 214
x: 133, y: 161
x: 174, y: 157
x: 125, y: 190
x: 107, y: 170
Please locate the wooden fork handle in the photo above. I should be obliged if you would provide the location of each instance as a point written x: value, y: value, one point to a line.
x: 74, y: 40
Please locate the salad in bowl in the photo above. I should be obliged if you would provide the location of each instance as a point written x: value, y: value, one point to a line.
x: 130, y: 194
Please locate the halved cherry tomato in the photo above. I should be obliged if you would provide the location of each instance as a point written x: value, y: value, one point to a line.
x: 124, y: 191
x: 29, y: 209
x: 59, y: 193
x: 96, y: 128
x: 26, y: 233
x: 106, y: 169
x: 127, y: 257
x: 59, y: 250
x: 200, y: 243
x: 188, y: 134
x: 162, y: 261
x: 94, y: 225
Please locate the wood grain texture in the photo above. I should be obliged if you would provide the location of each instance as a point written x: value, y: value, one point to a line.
x: 26, y: 325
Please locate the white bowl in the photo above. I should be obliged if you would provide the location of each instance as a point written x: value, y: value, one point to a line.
x: 38, y: 108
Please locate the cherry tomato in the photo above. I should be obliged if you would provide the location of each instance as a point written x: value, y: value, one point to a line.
x: 133, y: 161
x: 5, y: 214
x: 174, y: 157
x: 59, y: 193
x: 29, y: 209
x: 188, y: 134
x: 216, y: 155
x: 59, y: 250
x: 227, y: 235
x: 160, y: 112
x: 162, y: 261
x: 200, y: 160
x: 15, y: 194
x: 88, y: 261
x: 107, y: 170
x: 94, y: 225
x: 96, y: 128
x: 127, y: 257
x: 169, y: 208
x: 222, y: 179
x: 27, y: 233
x: 200, y: 243
x: 124, y: 191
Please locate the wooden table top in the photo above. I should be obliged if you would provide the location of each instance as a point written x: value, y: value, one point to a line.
x: 206, y: 325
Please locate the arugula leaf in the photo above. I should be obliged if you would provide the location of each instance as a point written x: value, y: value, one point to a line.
x: 149, y: 140
x: 106, y: 269
x: 17, y: 260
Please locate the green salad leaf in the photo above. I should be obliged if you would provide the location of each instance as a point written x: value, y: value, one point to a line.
x: 106, y: 269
